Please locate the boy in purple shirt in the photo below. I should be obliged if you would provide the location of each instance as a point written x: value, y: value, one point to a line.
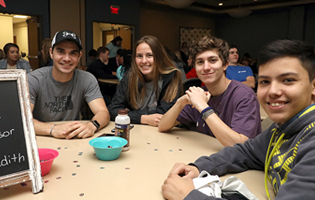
x: 225, y: 109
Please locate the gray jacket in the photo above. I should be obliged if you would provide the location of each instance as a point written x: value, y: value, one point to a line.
x: 290, y: 166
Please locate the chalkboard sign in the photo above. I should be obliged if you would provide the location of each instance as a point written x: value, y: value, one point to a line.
x: 12, y: 142
x: 19, y: 161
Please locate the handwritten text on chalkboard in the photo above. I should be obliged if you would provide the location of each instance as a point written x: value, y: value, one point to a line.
x: 7, y: 159
x: 13, y: 153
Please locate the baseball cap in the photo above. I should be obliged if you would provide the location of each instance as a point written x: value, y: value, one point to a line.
x: 66, y: 35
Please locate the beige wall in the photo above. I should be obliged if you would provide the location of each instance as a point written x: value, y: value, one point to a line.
x: 126, y: 35
x: 21, y: 35
x: 68, y: 15
x: 165, y: 25
x: 65, y: 15
x: 7, y: 30
x: 97, y: 35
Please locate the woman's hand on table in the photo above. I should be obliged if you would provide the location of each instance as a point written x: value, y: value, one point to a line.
x: 73, y: 129
x: 152, y: 120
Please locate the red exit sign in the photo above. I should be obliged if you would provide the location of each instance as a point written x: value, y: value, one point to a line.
x: 113, y: 9
x: 2, y: 3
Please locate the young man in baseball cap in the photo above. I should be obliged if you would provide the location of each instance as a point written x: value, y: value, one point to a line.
x: 58, y: 92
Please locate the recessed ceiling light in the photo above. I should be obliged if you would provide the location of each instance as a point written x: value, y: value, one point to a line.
x: 220, y: 4
x: 20, y: 16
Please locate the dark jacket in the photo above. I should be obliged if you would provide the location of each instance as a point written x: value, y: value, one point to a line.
x: 121, y: 101
x: 100, y: 70
x: 112, y: 64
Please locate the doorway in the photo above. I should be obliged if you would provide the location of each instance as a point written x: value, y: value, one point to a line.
x: 103, y: 33
x: 108, y: 36
x: 24, y: 31
x: 34, y: 45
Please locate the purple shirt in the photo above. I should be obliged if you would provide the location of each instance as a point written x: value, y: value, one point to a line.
x: 237, y: 107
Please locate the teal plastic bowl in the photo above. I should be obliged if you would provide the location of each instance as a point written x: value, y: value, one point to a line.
x: 108, y: 147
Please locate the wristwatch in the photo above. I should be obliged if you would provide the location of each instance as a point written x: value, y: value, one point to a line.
x: 96, y: 124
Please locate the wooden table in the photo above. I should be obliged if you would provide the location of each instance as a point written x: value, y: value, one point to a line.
x: 137, y: 174
x: 109, y: 81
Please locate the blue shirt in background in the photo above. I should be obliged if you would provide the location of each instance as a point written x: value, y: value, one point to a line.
x: 239, y: 73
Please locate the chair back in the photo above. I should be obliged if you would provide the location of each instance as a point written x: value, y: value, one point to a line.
x: 191, y: 82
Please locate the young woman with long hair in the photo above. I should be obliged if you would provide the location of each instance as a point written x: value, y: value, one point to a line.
x: 150, y: 87
x: 46, y: 45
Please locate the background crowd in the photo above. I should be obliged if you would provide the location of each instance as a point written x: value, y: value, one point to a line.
x: 151, y: 82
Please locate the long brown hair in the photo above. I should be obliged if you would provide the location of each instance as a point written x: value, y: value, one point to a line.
x: 162, y: 64
x: 46, y: 44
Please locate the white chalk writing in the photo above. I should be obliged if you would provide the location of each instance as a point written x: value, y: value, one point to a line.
x: 5, y: 134
x: 6, y: 160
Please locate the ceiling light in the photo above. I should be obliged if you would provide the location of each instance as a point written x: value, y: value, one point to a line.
x: 20, y: 16
x: 220, y: 4
x: 240, y: 13
x: 179, y: 3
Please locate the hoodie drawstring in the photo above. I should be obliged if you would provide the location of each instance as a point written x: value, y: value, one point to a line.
x: 269, y: 157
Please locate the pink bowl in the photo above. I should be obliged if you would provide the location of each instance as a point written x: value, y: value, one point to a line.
x: 46, y: 157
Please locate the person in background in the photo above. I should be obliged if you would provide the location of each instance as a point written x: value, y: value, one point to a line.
x: 247, y: 60
x: 114, y: 45
x: 58, y: 92
x: 1, y: 54
x: 225, y: 109
x: 123, y: 69
x: 117, y: 61
x: 184, y: 52
x: 176, y: 62
x: 188, y: 67
x: 192, y: 73
x: 150, y: 87
x: 285, y: 151
x: 46, y: 45
x: 92, y: 56
x: 100, y: 69
x: 13, y: 60
x: 237, y: 72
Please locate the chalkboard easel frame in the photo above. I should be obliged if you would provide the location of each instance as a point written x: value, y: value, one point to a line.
x: 33, y: 174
